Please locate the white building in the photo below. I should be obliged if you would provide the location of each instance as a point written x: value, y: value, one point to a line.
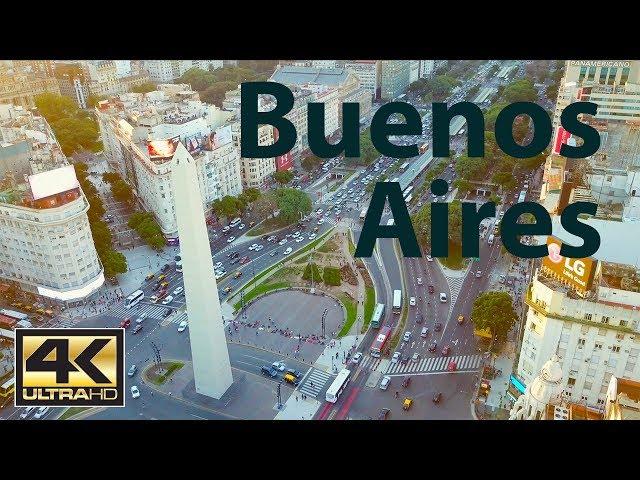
x: 414, y: 70
x: 368, y: 71
x: 140, y: 133
x: 123, y: 68
x: 427, y: 67
x: 324, y: 63
x: 255, y: 171
x: 46, y: 243
x: 164, y: 71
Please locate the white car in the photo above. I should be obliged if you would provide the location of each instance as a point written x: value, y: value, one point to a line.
x: 42, y: 411
x: 287, y: 251
x: 443, y: 297
x: 219, y: 275
x: 271, y: 238
x: 299, y: 239
x: 183, y: 324
x: 231, y: 239
x: 396, y: 357
x: 258, y: 248
x: 226, y: 229
x: 282, y: 242
x: 312, y: 236
x: 412, y: 301
x: 135, y: 392
x: 419, y: 280
x: 319, y: 211
x: 407, y: 336
x: 279, y: 366
x: 241, y: 226
x: 27, y: 411
x: 141, y: 318
x: 178, y: 290
x: 429, y: 259
x: 356, y: 358
x: 167, y: 300
x: 217, y: 266
x: 253, y: 246
x: 321, y: 221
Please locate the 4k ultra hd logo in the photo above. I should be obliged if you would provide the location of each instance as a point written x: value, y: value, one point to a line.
x: 69, y: 367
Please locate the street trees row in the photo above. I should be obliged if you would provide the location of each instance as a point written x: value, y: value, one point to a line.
x: 120, y: 189
x: 212, y: 85
x: 145, y: 224
x: 493, y: 310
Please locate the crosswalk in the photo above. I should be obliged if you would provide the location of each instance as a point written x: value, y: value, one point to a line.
x: 370, y: 363
x: 175, y: 319
x: 455, y: 285
x: 315, y: 382
x: 437, y: 364
x: 152, y: 311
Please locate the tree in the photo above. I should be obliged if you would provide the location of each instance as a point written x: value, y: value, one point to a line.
x: 283, y: 176
x: 293, y: 204
x: 312, y: 269
x: 113, y: 263
x: 215, y: 93
x: 144, y: 87
x: 251, y: 195
x: 422, y: 223
x: 368, y: 153
x: 505, y: 179
x: 265, y: 206
x: 101, y: 236
x: 227, y: 207
x: 145, y: 224
x: 311, y: 162
x: 520, y: 91
x: 55, y: 107
x: 491, y: 114
x: 93, y: 100
x: 122, y: 191
x: 462, y: 185
x: 472, y: 168
x: 494, y: 310
x: 495, y: 199
x: 111, y: 177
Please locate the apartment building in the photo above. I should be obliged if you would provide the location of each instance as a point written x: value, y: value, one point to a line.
x: 368, y: 72
x: 256, y: 172
x: 46, y: 246
x: 140, y: 133
x: 164, y: 71
x: 21, y: 88
x: 395, y: 76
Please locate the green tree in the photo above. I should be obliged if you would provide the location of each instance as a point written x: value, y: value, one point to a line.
x: 494, y: 310
x: 495, y: 199
x: 293, y: 204
x: 251, y: 195
x: 145, y: 224
x: 491, y: 114
x: 215, y: 93
x: 93, y: 100
x: 462, y: 185
x: 113, y: 263
x: 111, y: 177
x: 283, y: 176
x: 311, y: 162
x: 265, y: 206
x: 144, y: 87
x: 101, y: 236
x: 227, y: 207
x: 368, y: 153
x: 122, y: 191
x: 55, y: 107
x: 422, y: 223
x: 520, y: 91
x: 312, y: 269
x: 505, y: 179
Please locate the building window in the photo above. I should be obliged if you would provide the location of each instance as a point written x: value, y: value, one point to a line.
x: 598, y: 346
x: 588, y: 316
x: 615, y: 348
x: 600, y: 401
x: 625, y: 76
x: 571, y: 382
x: 623, y: 323
x: 592, y: 74
x: 603, y: 75
x: 619, y: 336
x: 581, y: 341
x: 604, y: 320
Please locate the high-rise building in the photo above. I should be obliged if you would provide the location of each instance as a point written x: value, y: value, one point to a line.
x: 164, y: 71
x: 47, y: 246
x: 427, y: 68
x: 256, y: 172
x: 395, y: 77
x: 368, y: 71
x: 140, y: 133
x: 21, y: 87
x: 414, y: 70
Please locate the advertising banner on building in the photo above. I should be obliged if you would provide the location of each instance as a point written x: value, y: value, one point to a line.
x: 576, y: 272
x: 194, y: 144
x: 283, y: 162
x: 162, y: 148
x: 562, y: 137
x: 222, y: 136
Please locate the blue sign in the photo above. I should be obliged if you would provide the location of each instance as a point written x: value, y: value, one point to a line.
x: 518, y: 384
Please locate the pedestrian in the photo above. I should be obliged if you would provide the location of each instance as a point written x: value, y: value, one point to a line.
x: 296, y: 398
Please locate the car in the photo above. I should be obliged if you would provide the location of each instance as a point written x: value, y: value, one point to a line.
x: 425, y: 332
x: 132, y: 370
x: 226, y: 229
x: 321, y: 221
x: 446, y: 351
x: 478, y: 273
x: 235, y: 255
x: 433, y: 347
x: 271, y: 238
x: 419, y: 279
x: 27, y: 411
x: 167, y: 300
x: 164, y: 285
x: 258, y: 248
x: 384, y: 413
x: 244, y: 260
x: 141, y: 318
x: 167, y: 312
x: 294, y: 372
x: 282, y: 242
x: 238, y: 274
x: 41, y: 412
x: 319, y: 211
x: 253, y: 246
x: 437, y: 327
x: 178, y: 291
x: 312, y: 236
x: 412, y: 301
x: 218, y: 275
x: 407, y: 336
x: 460, y: 319
x: 231, y: 239
x: 431, y: 289
x: 137, y: 329
x: 396, y: 357
x: 125, y: 323
x: 217, y: 265
x: 436, y: 397
x: 165, y: 268
x: 443, y: 297
x: 406, y: 381
x: 182, y: 326
x: 405, y: 359
x: 149, y: 277
x: 287, y: 251
x: 429, y: 259
x: 154, y: 298
x: 415, y: 357
x: 241, y: 226
x: 299, y: 239
x: 135, y: 391
x: 296, y: 234
x: 385, y: 382
x: 356, y: 358
x: 280, y: 366
x: 273, y: 253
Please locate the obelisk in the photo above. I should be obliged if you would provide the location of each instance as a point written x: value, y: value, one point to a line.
x: 210, y: 356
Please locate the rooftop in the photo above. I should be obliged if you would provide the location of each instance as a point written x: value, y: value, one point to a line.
x: 292, y: 75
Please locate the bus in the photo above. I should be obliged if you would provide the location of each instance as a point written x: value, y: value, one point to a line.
x: 376, y: 321
x: 390, y: 222
x: 397, y: 301
x: 134, y: 298
x: 363, y: 214
x: 424, y: 147
x: 6, y: 391
x: 338, y: 385
x: 404, y: 166
x: 397, y: 179
x: 377, y: 347
x: 407, y: 191
x: 13, y: 314
x: 408, y: 199
x: 523, y: 195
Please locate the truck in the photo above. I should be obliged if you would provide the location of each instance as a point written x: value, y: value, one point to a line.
x: 490, y: 239
x: 363, y: 214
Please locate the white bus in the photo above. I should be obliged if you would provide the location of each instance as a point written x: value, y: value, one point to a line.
x: 390, y: 222
x: 134, y: 298
x: 407, y: 191
x: 235, y: 222
x: 376, y: 321
x: 408, y: 199
x: 363, y: 214
x: 397, y: 179
x: 338, y: 385
x: 523, y: 196
x: 404, y: 166
x: 397, y: 301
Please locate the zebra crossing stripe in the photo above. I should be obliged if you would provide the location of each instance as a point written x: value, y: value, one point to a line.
x: 423, y: 363
x: 465, y: 362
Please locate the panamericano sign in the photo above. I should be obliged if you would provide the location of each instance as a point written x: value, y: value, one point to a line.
x: 600, y: 63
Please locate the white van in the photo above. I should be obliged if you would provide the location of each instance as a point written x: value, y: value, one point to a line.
x: 424, y: 332
x: 235, y: 222
x: 386, y: 381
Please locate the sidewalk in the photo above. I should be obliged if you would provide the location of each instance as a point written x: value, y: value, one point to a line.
x: 328, y: 361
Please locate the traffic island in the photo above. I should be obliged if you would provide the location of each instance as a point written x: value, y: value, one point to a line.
x: 158, y: 374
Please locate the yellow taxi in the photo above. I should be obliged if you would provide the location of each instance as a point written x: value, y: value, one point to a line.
x: 460, y: 319
x: 406, y: 405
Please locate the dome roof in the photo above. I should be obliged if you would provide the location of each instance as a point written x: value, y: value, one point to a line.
x: 548, y: 384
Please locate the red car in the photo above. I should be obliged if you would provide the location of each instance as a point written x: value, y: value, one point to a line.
x: 446, y: 351
x: 244, y: 260
x: 431, y: 289
x: 125, y: 323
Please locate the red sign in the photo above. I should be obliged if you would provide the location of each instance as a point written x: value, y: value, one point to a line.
x: 283, y: 162
x: 562, y: 136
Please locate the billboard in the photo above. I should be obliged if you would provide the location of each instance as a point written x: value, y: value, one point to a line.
x: 283, y: 162
x: 194, y: 144
x: 162, y: 148
x: 576, y: 272
x: 562, y: 137
x: 53, y: 182
x: 220, y: 137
